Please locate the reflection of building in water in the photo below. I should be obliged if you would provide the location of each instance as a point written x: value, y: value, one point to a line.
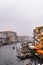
x: 8, y: 37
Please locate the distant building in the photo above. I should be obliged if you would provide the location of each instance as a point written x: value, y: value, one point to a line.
x: 7, y: 37
x: 3, y: 38
x: 20, y: 38
x: 25, y: 39
x: 12, y: 36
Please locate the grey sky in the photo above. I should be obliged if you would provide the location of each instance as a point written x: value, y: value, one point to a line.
x: 21, y: 16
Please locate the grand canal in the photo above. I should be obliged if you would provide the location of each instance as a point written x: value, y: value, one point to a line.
x: 8, y: 56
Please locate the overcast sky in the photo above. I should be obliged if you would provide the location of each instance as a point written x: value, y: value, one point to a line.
x: 21, y: 16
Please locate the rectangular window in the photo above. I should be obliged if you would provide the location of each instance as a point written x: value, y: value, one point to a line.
x: 41, y: 39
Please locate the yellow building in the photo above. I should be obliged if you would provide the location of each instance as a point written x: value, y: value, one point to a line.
x: 38, y: 35
x: 38, y: 40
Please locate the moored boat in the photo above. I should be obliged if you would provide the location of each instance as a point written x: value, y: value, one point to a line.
x: 28, y: 64
x: 23, y: 51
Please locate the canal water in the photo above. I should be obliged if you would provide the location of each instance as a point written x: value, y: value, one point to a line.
x: 8, y: 56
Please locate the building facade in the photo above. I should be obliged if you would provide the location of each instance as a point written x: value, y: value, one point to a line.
x: 12, y: 36
x: 8, y: 37
x: 38, y: 35
x: 3, y: 38
x: 25, y: 39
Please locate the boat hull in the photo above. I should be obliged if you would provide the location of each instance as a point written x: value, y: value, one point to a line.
x: 24, y: 56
